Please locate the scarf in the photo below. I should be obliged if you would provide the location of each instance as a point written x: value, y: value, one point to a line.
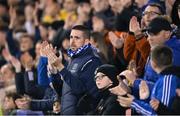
x: 72, y: 53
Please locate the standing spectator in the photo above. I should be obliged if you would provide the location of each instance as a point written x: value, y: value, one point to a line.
x: 78, y: 76
x: 136, y: 46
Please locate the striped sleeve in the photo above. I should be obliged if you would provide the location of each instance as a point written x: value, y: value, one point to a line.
x: 143, y: 108
x: 167, y: 91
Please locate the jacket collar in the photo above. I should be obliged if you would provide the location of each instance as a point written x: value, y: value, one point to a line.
x: 171, y: 70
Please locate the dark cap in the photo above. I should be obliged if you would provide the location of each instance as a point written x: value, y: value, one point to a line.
x: 110, y: 71
x: 158, y: 24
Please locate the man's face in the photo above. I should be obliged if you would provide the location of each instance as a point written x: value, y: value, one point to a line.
x: 77, y: 39
x: 7, y: 73
x: 158, y: 39
x: 25, y: 44
x: 98, y: 24
x: 115, y: 4
x: 70, y: 5
x: 150, y: 13
x: 99, y: 5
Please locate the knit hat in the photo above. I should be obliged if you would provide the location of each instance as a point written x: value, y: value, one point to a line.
x: 110, y: 71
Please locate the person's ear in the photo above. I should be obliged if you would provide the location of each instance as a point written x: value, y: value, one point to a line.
x: 154, y: 65
x: 167, y: 34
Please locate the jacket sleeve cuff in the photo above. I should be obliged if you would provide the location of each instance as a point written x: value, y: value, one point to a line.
x: 136, y: 83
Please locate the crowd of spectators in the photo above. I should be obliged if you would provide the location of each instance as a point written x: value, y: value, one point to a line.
x: 125, y: 62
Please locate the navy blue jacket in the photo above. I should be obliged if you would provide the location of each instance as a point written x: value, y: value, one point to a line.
x: 79, y: 80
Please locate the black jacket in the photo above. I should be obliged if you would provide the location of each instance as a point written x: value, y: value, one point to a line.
x: 109, y: 105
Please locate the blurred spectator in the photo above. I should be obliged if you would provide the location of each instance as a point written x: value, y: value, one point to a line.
x: 97, y: 41
x: 9, y: 102
x: 136, y: 47
x: 174, y: 14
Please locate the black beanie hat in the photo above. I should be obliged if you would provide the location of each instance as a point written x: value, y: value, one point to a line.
x: 110, y: 71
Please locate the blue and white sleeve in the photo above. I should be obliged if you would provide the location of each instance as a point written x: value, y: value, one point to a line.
x: 143, y: 107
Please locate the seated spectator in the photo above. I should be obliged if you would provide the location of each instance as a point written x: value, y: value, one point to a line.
x: 105, y: 77
x: 9, y: 102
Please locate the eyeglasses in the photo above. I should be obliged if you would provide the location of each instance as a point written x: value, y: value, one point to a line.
x: 150, y: 13
x: 100, y: 77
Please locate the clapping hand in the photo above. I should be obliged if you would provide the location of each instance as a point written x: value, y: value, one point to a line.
x: 143, y: 90
x: 48, y: 51
x: 115, y: 40
x: 125, y: 101
x: 12, y: 13
x: 134, y: 25
x: 154, y: 104
x: 6, y: 54
x: 16, y: 63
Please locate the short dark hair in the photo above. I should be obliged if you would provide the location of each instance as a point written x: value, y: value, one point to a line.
x: 162, y: 56
x: 159, y: 6
x: 27, y: 36
x: 84, y: 29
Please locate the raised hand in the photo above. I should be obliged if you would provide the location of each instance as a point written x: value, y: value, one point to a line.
x: 16, y: 63
x: 52, y: 58
x: 115, y: 40
x: 154, y: 103
x: 36, y: 22
x: 143, y: 90
x: 134, y: 25
x: 6, y: 54
x: 43, y: 46
x: 70, y: 21
x: 12, y: 13
x: 51, y: 69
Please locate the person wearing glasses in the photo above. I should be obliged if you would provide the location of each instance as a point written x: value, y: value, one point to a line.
x: 159, y: 32
x: 106, y: 78
x: 136, y: 46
